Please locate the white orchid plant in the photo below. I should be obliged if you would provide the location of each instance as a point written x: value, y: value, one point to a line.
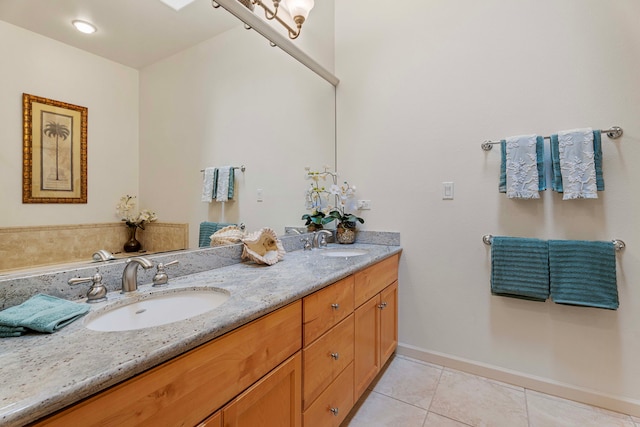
x: 318, y: 200
x: 126, y: 211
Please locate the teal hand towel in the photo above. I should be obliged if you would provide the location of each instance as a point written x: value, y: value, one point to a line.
x: 206, y: 230
x: 583, y: 273
x: 42, y: 313
x: 9, y: 331
x: 542, y: 179
x: 556, y: 175
x: 231, y: 183
x: 520, y: 268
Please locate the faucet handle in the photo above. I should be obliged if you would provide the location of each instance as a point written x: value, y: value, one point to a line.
x: 97, y: 291
x: 161, y: 278
x: 307, y: 244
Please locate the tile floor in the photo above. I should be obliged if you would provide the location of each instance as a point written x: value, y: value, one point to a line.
x: 411, y: 393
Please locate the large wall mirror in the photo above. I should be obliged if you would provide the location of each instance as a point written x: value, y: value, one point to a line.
x: 225, y: 99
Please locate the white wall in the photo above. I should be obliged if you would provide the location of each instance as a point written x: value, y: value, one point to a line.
x: 44, y: 67
x: 233, y: 100
x: 422, y: 85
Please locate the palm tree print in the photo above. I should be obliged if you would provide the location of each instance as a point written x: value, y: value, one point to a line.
x: 57, y: 130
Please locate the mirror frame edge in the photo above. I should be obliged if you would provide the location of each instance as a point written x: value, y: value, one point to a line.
x: 267, y: 31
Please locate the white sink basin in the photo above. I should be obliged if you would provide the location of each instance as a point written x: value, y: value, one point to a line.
x: 157, y: 310
x: 343, y: 253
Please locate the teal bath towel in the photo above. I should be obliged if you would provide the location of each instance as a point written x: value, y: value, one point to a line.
x: 542, y: 180
x: 42, y: 313
x: 583, y: 273
x: 206, y: 230
x: 556, y: 175
x: 520, y: 268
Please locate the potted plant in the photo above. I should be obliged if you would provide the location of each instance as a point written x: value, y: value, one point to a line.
x: 318, y: 198
x: 126, y: 211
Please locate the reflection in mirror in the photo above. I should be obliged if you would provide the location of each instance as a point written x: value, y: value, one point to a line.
x: 229, y: 100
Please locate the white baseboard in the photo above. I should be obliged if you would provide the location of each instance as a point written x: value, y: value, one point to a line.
x: 531, y: 382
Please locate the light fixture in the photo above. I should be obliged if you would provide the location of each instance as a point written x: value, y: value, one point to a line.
x: 84, y: 26
x: 298, y: 9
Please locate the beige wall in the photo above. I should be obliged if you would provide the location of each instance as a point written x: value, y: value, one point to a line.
x: 422, y: 85
x: 44, y: 67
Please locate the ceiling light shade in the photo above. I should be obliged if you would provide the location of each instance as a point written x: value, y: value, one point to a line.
x: 84, y: 27
x: 299, y: 7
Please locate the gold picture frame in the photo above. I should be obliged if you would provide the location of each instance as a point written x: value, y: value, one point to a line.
x: 54, y: 165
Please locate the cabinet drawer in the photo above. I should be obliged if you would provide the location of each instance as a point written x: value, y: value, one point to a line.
x: 325, y: 359
x: 374, y: 279
x: 334, y: 404
x: 325, y: 308
x: 187, y: 389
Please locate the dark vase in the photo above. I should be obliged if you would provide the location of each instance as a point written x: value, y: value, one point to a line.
x: 132, y: 245
x: 314, y: 227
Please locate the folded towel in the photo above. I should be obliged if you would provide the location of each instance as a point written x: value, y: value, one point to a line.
x: 222, y: 184
x: 520, y: 268
x: 207, y: 185
x: 207, y: 229
x: 583, y: 273
x: 522, y: 162
x: 576, y: 163
x: 42, y: 313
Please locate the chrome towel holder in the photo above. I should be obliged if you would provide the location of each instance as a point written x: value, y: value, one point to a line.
x: 614, y: 132
x: 487, y: 239
x: 242, y: 168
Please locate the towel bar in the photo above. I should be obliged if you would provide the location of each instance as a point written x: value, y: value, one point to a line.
x: 614, y: 132
x: 242, y: 168
x: 617, y: 243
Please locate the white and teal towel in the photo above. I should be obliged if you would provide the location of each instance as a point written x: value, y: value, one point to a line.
x: 576, y: 155
x: 208, y: 185
x: 556, y: 171
x: 522, y: 172
x: 222, y: 184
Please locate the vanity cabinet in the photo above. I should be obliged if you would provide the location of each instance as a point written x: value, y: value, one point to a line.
x: 305, y: 364
x: 375, y: 320
x: 191, y: 387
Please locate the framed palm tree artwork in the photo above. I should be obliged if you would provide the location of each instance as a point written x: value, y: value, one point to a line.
x: 54, y: 167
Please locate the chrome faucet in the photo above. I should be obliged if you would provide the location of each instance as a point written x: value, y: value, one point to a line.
x: 130, y: 273
x: 320, y: 238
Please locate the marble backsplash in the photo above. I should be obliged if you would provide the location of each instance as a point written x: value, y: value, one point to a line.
x: 17, y: 287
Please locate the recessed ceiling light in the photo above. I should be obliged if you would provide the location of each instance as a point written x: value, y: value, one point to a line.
x: 84, y: 26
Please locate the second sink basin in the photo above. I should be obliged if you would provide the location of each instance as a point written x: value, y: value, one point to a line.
x: 343, y: 253
x: 157, y: 310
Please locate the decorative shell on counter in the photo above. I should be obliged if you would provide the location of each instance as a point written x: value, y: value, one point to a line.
x: 227, y: 235
x: 263, y: 247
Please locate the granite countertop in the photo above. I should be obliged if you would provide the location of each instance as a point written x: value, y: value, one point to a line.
x: 43, y: 373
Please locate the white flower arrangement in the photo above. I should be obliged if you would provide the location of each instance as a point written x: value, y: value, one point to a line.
x: 126, y: 211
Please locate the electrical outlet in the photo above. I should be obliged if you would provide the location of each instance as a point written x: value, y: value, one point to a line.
x: 364, y: 205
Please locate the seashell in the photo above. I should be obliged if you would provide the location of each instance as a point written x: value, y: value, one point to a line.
x: 263, y: 247
x: 227, y: 235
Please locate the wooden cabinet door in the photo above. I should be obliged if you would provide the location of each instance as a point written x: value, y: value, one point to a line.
x: 325, y: 308
x: 334, y: 404
x: 388, y: 322
x: 214, y: 420
x: 274, y: 401
x: 367, y: 344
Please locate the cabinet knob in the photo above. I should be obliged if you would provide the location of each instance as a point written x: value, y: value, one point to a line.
x: 334, y: 411
x: 335, y: 356
x: 335, y: 306
x: 382, y: 306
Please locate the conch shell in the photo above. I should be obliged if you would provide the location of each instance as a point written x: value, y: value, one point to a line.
x: 263, y: 247
x: 227, y: 235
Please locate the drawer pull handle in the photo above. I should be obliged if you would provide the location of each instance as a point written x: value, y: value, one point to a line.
x: 335, y: 306
x: 382, y: 306
x: 335, y: 356
x: 334, y: 411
